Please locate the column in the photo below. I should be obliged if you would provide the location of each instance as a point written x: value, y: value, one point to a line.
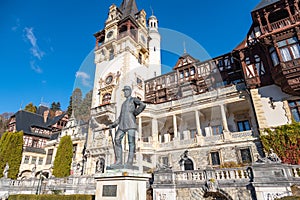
x: 224, y: 119
x: 200, y: 139
x: 154, y: 130
x: 260, y: 24
x: 224, y: 123
x: 198, y: 124
x: 175, y: 127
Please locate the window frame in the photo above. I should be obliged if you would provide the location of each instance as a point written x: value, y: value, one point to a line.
x: 295, y: 106
x: 241, y: 154
x: 243, y: 124
x: 219, y: 161
x: 287, y: 45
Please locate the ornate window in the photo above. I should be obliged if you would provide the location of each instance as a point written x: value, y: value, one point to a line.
x: 289, y: 49
x: 295, y: 109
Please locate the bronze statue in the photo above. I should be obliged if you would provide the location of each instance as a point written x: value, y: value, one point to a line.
x: 131, y: 108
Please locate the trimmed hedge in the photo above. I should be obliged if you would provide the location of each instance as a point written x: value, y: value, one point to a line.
x: 50, y: 197
x: 63, y: 158
x: 11, y: 148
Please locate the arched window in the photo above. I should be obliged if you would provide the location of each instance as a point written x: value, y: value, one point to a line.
x: 100, y: 165
x: 185, y: 162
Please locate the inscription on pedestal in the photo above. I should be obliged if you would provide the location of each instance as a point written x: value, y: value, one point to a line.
x: 109, y: 191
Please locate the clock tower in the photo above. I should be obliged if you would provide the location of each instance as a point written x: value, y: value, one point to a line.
x: 127, y: 52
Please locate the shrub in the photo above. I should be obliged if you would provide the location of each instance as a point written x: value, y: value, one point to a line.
x: 63, y: 158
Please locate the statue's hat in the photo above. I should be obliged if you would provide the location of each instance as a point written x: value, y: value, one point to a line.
x: 126, y: 87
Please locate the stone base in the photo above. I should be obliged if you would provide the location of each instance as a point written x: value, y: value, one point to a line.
x: 125, y: 167
x: 121, y: 184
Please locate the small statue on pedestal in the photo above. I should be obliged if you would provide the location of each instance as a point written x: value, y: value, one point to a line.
x: 5, y: 171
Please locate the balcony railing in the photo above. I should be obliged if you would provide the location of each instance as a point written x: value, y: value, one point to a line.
x: 281, y: 23
x: 103, y: 109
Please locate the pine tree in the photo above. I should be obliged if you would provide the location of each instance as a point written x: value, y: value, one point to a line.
x: 30, y: 108
x: 63, y: 158
x: 70, y: 110
x: 85, y: 107
x: 76, y: 102
x: 55, y: 106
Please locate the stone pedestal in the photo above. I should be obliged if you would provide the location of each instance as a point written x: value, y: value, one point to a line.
x: 122, y: 184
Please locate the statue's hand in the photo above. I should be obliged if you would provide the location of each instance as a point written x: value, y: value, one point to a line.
x: 111, y: 126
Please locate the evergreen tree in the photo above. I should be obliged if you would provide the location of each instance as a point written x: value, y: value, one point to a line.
x: 85, y: 107
x: 55, y: 106
x: 30, y: 108
x: 11, y: 147
x: 69, y: 111
x: 63, y: 158
x: 15, y: 154
x: 76, y: 102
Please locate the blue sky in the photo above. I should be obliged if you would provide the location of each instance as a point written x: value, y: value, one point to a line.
x: 46, y: 44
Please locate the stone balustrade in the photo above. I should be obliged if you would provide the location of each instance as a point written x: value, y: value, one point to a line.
x: 218, y: 174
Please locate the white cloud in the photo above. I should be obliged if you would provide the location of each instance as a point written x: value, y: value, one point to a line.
x: 84, y: 77
x: 35, y: 67
x: 35, y: 50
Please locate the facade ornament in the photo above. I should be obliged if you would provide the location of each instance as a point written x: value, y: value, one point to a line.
x: 211, y: 184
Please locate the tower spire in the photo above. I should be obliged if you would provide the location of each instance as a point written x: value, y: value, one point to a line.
x: 128, y: 7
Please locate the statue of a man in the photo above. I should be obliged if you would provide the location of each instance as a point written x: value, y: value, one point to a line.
x: 5, y: 171
x: 131, y: 108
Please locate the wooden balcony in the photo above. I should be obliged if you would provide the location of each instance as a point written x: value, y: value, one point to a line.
x: 287, y: 75
x: 280, y: 24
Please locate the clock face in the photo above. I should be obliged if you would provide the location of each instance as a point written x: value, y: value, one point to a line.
x: 109, y: 79
x: 109, y: 34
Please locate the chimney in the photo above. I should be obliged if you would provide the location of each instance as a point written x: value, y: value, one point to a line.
x: 46, y: 113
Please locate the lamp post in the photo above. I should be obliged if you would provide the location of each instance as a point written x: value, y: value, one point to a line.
x: 39, y: 187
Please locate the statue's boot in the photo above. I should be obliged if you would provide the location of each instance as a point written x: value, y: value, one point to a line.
x: 119, y: 156
x: 130, y: 159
